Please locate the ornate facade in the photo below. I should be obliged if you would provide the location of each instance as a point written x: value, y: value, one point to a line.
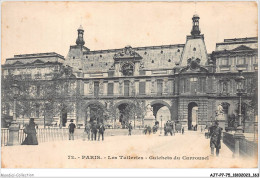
x: 109, y: 84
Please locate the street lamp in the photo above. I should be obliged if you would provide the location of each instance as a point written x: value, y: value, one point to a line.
x: 239, y: 136
x: 14, y: 127
x: 161, y: 125
x: 240, y: 92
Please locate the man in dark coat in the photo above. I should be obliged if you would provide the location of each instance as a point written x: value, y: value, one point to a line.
x: 94, y: 129
x: 30, y: 130
x: 101, y: 131
x: 130, y: 128
x: 215, y: 136
x: 72, y: 127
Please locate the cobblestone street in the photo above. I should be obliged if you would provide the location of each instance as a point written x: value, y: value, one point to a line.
x: 145, y: 151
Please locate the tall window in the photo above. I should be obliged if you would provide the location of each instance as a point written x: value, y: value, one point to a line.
x: 202, y: 84
x: 224, y: 61
x: 159, y: 87
x: 96, y: 89
x: 193, y: 84
x: 142, y: 88
x: 241, y: 60
x: 37, y: 110
x: 38, y: 90
x: 126, y: 88
x: 110, y: 89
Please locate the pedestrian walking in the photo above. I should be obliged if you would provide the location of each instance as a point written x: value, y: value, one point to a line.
x: 182, y: 130
x: 72, y: 127
x: 101, y: 131
x: 215, y: 137
x: 30, y: 130
x: 94, y: 129
x: 87, y: 131
x: 130, y: 128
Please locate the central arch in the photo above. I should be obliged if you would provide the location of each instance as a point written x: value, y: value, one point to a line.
x: 94, y: 111
x: 159, y: 104
x: 192, y: 116
x: 126, y: 112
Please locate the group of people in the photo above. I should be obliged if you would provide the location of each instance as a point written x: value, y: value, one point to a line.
x: 94, y: 129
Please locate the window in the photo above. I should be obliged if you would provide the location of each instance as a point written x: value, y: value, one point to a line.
x: 193, y: 79
x: 96, y: 89
x: 110, y: 89
x: 142, y: 88
x: 38, y: 90
x: 203, y: 85
x: 126, y: 88
x: 37, y: 110
x: 224, y: 62
x: 169, y: 60
x: 66, y: 88
x: 241, y: 61
x: 152, y: 61
x: 159, y: 87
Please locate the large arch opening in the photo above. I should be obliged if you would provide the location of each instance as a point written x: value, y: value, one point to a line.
x: 126, y: 114
x: 94, y: 112
x: 192, y: 116
x: 163, y: 115
x: 161, y: 111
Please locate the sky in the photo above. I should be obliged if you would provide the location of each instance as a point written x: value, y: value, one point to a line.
x: 39, y: 27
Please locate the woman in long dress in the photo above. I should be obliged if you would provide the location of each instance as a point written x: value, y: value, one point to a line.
x: 30, y: 130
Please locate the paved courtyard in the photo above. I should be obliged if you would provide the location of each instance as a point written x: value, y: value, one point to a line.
x: 190, y: 150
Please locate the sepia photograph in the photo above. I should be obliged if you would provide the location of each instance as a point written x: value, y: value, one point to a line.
x: 129, y: 85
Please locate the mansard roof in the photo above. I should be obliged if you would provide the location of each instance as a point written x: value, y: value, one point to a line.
x: 230, y: 44
x: 36, y: 58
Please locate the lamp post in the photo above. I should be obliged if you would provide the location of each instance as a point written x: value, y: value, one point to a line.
x: 240, y: 92
x: 238, y: 136
x: 161, y: 125
x: 14, y: 127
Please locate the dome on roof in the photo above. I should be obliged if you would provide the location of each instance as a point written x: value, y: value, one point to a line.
x: 128, y: 46
x: 196, y: 16
x: 80, y: 27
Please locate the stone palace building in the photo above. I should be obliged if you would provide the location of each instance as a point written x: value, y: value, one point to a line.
x: 116, y: 85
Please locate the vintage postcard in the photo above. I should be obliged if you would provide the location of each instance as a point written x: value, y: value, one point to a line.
x: 129, y: 85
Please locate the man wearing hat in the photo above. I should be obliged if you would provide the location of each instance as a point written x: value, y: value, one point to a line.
x: 72, y: 126
x: 215, y: 136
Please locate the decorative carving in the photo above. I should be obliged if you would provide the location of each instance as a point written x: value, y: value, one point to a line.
x: 141, y: 65
x: 91, y: 83
x: 127, y: 52
x: 101, y: 87
x: 112, y: 67
x: 127, y: 69
x: 132, y: 84
x: 121, y: 86
x: 166, y: 87
x: 153, y: 85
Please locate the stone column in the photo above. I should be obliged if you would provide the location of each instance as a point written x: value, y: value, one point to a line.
x: 13, y: 129
x: 238, y: 138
